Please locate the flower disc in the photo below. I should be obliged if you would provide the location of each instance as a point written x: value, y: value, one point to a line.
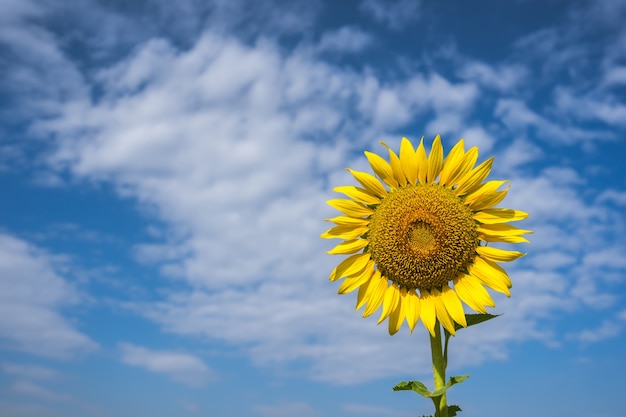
x: 421, y: 236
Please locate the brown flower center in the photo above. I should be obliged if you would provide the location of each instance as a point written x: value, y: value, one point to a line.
x: 421, y: 236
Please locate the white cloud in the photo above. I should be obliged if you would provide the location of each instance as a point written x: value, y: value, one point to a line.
x: 394, y: 14
x: 613, y: 196
x: 345, y: 39
x: 31, y: 296
x: 478, y: 136
x: 33, y: 390
x: 504, y: 78
x: 181, y: 367
x: 517, y: 154
x: 518, y: 117
x: 607, y: 330
x: 26, y: 371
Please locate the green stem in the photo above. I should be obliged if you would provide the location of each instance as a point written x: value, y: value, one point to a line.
x: 439, y: 371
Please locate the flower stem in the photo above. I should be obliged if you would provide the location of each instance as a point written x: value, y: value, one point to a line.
x: 439, y: 371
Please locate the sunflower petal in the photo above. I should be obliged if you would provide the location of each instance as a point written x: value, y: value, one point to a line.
x: 491, y: 275
x: 412, y: 309
x: 347, y: 232
x: 472, y: 293
x: 435, y: 160
x: 382, y: 169
x: 349, y: 207
x: 428, y: 314
x: 396, y: 166
x: 486, y: 196
x: 358, y: 194
x: 378, y: 294
x: 353, y: 281
x: 453, y: 305
x: 499, y: 215
x: 365, y: 292
x: 350, y: 266
x: 369, y: 182
x: 422, y: 162
x: 451, y: 162
x: 392, y: 296
x: 397, y: 315
x: 346, y: 220
x: 501, y: 233
x: 474, y: 178
x: 348, y: 247
x: 442, y: 314
x: 498, y: 255
x: 465, y: 165
x: 408, y: 160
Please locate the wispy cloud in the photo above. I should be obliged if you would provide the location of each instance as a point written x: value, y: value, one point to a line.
x: 31, y: 296
x: 181, y: 367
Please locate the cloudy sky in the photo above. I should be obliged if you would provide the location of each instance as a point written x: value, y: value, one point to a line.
x: 164, y: 167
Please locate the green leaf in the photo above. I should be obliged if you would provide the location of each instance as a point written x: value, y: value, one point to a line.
x: 457, y: 379
x: 421, y: 389
x: 473, y: 319
x: 416, y: 386
x: 453, y: 410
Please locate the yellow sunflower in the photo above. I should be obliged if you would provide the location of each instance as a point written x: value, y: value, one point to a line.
x: 419, y: 247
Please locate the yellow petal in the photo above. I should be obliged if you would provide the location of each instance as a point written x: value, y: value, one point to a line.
x: 428, y: 314
x: 491, y: 275
x: 499, y: 215
x: 365, y: 292
x: 453, y: 305
x: 435, y: 160
x: 378, y: 294
x: 397, y: 315
x: 353, y: 281
x: 501, y: 233
x: 346, y: 220
x: 346, y: 248
x: 396, y: 166
x: 465, y: 165
x: 369, y: 182
x: 422, y: 162
x: 358, y: 194
x: 451, y: 162
x: 498, y: 255
x: 392, y: 295
x: 474, y: 178
x: 412, y: 309
x: 347, y: 232
x: 473, y: 293
x: 382, y: 169
x: 442, y: 313
x: 350, y: 266
x: 486, y: 196
x: 349, y: 207
x: 408, y: 160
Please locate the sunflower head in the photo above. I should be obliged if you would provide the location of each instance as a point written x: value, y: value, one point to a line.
x: 417, y: 236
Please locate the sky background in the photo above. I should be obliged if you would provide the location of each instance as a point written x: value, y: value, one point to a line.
x: 164, y: 167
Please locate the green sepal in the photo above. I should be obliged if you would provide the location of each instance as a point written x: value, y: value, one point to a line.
x: 473, y: 319
x: 453, y: 410
x: 421, y: 389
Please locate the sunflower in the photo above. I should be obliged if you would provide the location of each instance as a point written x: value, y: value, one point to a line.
x: 419, y: 246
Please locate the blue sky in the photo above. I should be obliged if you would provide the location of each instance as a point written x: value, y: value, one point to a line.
x: 164, y: 168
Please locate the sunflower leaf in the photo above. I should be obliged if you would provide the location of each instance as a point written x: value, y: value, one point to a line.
x: 453, y: 410
x: 421, y: 389
x: 416, y: 386
x: 473, y: 319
